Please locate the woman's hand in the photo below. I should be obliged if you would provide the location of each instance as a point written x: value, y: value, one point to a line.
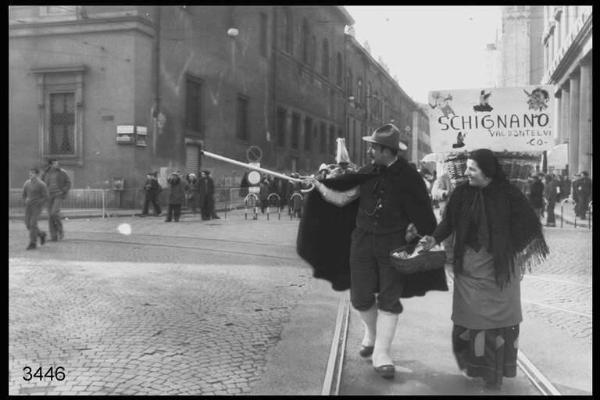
x: 427, y: 242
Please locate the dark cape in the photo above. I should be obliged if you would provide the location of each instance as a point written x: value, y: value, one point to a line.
x: 324, y: 239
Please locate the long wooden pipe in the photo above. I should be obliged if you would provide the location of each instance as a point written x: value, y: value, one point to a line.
x: 263, y: 170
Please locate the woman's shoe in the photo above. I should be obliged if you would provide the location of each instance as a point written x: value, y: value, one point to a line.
x: 386, y: 371
x: 366, y: 351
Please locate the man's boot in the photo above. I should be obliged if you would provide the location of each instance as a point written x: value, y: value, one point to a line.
x: 386, y: 329
x: 369, y: 320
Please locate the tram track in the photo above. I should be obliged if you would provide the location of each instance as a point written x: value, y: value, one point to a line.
x: 194, y: 247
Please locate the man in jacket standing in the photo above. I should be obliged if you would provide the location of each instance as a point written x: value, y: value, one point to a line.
x: 151, y: 190
x: 536, y: 195
x: 391, y: 196
x: 176, y: 197
x: 59, y: 184
x: 35, y: 194
x: 583, y: 188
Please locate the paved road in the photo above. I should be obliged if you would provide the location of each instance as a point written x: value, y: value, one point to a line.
x: 209, y: 308
x: 188, y: 308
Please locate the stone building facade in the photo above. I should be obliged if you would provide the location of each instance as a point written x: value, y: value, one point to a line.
x: 567, y: 49
x: 117, y: 91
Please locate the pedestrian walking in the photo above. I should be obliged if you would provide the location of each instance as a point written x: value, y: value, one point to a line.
x: 497, y: 235
x: 192, y: 192
x: 35, y: 195
x: 391, y: 195
x: 536, y: 195
x: 583, y: 188
x: 152, y: 190
x: 263, y: 194
x: 565, y: 188
x: 59, y: 184
x: 551, y: 195
x: 209, y: 197
x: 441, y: 191
x: 176, y: 197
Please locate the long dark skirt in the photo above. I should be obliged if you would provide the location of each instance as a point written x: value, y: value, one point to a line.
x: 488, y: 353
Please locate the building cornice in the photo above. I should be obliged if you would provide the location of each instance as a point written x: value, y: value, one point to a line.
x: 562, y: 66
x: 79, y: 26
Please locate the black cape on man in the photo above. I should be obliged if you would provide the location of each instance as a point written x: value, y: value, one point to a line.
x: 324, y: 239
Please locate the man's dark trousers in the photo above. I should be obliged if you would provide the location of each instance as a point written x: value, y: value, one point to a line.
x: 55, y: 225
x: 32, y: 215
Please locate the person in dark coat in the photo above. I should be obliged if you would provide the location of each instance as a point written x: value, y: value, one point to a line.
x: 376, y: 206
x: 209, y: 197
x: 565, y: 188
x: 536, y: 195
x: 35, y: 195
x: 583, y: 188
x: 192, y: 192
x: 59, y: 184
x: 176, y: 197
x: 551, y: 195
x: 152, y: 190
x: 498, y: 236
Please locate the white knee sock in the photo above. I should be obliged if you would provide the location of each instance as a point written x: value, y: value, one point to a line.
x: 386, y: 329
x: 369, y: 320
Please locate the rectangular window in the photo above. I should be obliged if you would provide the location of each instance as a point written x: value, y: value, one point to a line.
x: 62, y: 123
x: 264, y: 21
x: 242, y: 118
x: 193, y: 104
x: 307, y: 134
x: 281, y: 116
x: 295, y: 130
x: 323, y: 138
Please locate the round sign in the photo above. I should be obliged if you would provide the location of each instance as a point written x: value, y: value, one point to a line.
x: 254, y: 154
x: 253, y: 177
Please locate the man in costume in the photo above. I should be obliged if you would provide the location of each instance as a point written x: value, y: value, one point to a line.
x: 350, y: 226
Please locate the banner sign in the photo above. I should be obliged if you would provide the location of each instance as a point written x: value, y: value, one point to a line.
x: 500, y: 119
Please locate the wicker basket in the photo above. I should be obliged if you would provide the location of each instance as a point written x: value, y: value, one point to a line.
x: 426, y: 261
x: 517, y: 166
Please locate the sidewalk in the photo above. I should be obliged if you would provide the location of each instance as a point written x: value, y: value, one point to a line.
x: 75, y: 213
x: 568, y: 215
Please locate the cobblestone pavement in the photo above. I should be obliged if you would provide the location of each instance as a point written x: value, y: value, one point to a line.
x: 560, y: 291
x: 186, y: 309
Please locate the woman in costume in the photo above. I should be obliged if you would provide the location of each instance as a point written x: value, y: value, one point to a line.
x: 497, y: 235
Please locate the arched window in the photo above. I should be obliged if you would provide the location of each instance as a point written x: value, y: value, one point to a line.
x: 338, y: 69
x: 325, y: 58
x: 287, y: 30
x: 305, y: 37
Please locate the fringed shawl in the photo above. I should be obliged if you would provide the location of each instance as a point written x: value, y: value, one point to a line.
x: 514, y: 232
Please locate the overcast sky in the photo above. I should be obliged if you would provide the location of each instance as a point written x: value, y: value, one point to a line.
x: 429, y: 47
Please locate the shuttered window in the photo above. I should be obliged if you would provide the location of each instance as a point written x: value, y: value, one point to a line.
x: 192, y: 158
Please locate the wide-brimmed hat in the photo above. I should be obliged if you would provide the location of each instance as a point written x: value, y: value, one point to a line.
x: 389, y: 136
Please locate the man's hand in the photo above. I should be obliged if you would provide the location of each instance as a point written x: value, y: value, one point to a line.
x: 428, y: 242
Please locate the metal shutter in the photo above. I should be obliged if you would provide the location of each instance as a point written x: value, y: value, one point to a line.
x: 192, y: 158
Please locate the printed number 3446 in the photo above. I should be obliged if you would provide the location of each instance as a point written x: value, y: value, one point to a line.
x: 51, y: 373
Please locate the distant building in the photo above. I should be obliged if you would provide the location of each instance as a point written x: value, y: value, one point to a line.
x: 567, y: 49
x: 421, y: 143
x: 521, y: 54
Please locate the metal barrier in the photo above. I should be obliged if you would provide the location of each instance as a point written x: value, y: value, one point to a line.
x: 251, y: 196
x: 269, y: 197
x: 294, y: 208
